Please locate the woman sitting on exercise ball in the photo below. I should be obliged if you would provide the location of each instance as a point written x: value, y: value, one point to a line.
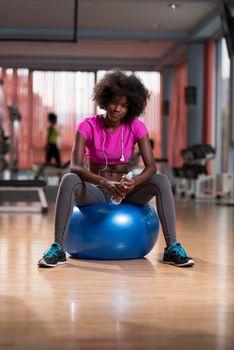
x: 108, y: 142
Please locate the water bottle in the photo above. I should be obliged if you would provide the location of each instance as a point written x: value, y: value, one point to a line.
x: 127, y: 178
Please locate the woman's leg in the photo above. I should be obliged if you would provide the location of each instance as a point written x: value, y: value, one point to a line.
x: 48, y: 153
x: 56, y: 155
x: 159, y: 186
x: 73, y: 189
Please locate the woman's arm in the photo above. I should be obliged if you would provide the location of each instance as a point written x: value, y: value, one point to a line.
x: 146, y: 153
x: 77, y: 167
x: 77, y: 162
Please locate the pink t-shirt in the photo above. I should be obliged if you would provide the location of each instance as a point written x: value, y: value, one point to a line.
x: 100, y: 141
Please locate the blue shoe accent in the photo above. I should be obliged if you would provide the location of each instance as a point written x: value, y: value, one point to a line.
x: 176, y: 255
x: 55, y: 247
x: 53, y: 256
x: 178, y: 249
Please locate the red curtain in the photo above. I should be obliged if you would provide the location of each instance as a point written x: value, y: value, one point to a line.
x: 152, y: 115
x: 177, y: 130
x: 208, y: 91
x: 37, y: 94
x: 16, y: 90
x: 208, y: 94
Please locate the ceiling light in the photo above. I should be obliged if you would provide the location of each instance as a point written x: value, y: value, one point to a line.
x: 173, y: 6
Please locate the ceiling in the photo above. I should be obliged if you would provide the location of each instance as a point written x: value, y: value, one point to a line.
x: 101, y: 34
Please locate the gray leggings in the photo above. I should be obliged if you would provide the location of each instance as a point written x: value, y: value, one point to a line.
x: 73, y: 190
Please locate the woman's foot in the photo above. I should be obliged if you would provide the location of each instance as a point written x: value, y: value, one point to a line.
x: 176, y: 255
x: 54, y: 256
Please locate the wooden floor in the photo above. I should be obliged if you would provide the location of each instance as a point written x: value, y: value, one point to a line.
x: 138, y: 304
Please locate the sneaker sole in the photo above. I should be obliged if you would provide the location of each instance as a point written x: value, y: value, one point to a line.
x: 44, y: 264
x: 190, y: 263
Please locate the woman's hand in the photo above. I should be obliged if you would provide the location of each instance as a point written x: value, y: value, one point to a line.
x: 115, y: 188
x: 126, y: 186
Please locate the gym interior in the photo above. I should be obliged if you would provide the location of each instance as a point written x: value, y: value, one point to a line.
x: 52, y: 54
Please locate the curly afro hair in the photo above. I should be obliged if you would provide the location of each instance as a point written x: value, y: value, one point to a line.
x: 119, y: 83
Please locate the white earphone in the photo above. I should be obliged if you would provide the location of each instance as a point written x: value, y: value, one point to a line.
x: 122, y: 158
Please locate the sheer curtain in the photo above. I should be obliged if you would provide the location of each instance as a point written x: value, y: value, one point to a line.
x: 152, y: 115
x: 177, y: 136
x: 68, y: 94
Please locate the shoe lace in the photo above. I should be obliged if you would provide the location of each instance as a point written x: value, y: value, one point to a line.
x: 52, y: 250
x: 178, y: 249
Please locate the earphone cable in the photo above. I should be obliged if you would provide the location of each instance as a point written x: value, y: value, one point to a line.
x: 103, y: 144
x: 122, y: 153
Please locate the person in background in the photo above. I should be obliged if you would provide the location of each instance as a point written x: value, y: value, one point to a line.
x: 52, y: 150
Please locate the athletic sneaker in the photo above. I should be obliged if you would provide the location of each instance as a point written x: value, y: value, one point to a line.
x: 55, y: 255
x: 176, y: 255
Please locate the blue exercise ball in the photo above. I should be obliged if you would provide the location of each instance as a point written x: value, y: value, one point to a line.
x: 110, y: 232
